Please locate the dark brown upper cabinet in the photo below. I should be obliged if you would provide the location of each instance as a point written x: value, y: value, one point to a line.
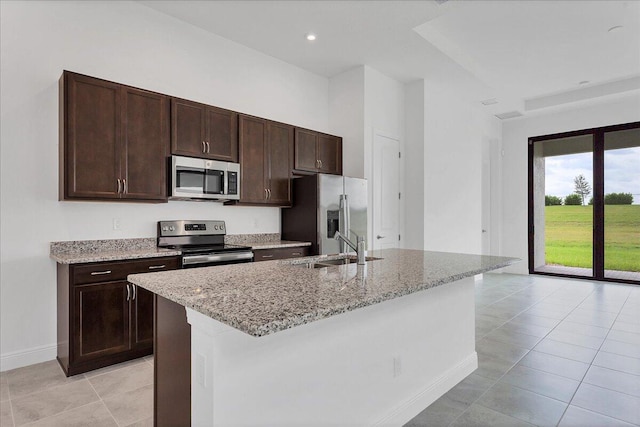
x: 317, y: 152
x: 266, y: 161
x: 200, y: 130
x: 114, y: 141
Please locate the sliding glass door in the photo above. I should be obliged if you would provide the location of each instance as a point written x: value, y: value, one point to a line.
x: 584, y: 204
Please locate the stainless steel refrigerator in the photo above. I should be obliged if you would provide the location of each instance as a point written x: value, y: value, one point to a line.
x: 322, y: 205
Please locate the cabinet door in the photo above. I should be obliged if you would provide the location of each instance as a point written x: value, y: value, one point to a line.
x: 188, y: 129
x: 101, y: 320
x: 142, y: 318
x: 146, y: 143
x: 222, y: 134
x: 280, y: 159
x: 91, y: 137
x: 253, y: 168
x: 329, y: 151
x: 305, y: 150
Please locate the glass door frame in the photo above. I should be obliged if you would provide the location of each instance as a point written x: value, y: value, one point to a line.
x: 598, y: 200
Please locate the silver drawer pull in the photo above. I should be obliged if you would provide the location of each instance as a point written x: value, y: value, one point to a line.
x: 155, y: 267
x: 267, y: 256
x: 296, y: 253
x: 98, y: 273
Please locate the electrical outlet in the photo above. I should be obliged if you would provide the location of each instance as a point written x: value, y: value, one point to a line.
x: 116, y: 223
x: 397, y: 367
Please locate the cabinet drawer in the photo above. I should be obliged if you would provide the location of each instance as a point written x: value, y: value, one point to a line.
x: 280, y: 253
x: 119, y: 270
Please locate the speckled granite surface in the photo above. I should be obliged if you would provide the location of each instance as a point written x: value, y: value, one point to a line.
x: 245, y: 239
x: 266, y: 297
x: 262, y: 241
x: 277, y: 244
x: 80, y: 251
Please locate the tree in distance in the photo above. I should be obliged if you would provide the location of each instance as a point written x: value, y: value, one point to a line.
x: 618, y: 199
x: 573, y: 199
x: 552, y: 201
x: 582, y: 187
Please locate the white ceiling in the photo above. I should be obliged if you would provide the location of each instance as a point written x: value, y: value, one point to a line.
x: 527, y: 54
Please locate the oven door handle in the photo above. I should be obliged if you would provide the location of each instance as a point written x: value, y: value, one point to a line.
x: 202, y: 259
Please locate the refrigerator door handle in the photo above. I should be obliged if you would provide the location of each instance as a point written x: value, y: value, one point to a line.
x: 345, y: 223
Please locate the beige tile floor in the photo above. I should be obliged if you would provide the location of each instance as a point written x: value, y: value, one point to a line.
x: 551, y: 352
x: 41, y: 395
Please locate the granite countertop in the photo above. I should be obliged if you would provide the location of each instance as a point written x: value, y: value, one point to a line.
x: 81, y: 251
x: 275, y: 244
x: 266, y: 297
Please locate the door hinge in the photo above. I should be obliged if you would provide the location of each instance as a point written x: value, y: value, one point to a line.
x: 399, y: 155
x: 399, y: 196
x: 398, y: 237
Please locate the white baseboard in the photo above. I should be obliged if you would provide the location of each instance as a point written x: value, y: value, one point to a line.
x: 432, y: 392
x: 18, y: 359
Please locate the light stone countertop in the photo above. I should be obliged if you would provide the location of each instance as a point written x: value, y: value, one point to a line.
x: 266, y: 297
x: 81, y: 251
x: 276, y: 244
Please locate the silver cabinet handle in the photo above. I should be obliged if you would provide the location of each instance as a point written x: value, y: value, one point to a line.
x: 296, y: 253
x: 269, y: 192
x: 99, y: 273
x: 119, y: 186
x: 155, y: 267
x: 379, y: 237
x: 320, y: 163
x: 134, y: 292
x: 128, y: 292
x: 204, y: 147
x: 208, y: 147
x: 266, y: 194
x: 124, y: 186
x: 266, y: 256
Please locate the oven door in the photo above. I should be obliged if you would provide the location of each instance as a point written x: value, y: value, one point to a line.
x: 208, y: 260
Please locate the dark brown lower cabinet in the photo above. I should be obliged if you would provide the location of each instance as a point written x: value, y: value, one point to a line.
x: 102, y: 318
x: 172, y: 365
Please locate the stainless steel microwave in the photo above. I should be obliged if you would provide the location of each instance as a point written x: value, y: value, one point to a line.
x: 203, y: 179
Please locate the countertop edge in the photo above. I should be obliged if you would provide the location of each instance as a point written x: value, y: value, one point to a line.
x: 82, y: 258
x: 299, y: 320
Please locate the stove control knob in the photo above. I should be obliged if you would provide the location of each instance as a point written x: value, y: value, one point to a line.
x: 171, y: 228
x: 215, y: 227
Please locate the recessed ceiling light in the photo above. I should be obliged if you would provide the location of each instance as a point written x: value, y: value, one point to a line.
x: 615, y: 29
x: 584, y: 82
x: 310, y: 36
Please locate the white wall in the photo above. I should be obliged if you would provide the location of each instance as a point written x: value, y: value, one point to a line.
x: 516, y: 133
x: 346, y: 118
x: 414, y: 165
x: 383, y: 112
x: 128, y: 43
x: 452, y: 134
x: 362, y: 101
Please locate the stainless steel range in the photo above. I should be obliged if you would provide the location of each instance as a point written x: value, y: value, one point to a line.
x: 201, y: 243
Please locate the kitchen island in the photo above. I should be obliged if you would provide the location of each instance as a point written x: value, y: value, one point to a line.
x: 279, y: 343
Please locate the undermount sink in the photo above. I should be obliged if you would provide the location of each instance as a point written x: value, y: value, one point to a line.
x: 333, y: 262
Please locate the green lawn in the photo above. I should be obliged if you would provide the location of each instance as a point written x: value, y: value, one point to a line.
x: 568, y: 236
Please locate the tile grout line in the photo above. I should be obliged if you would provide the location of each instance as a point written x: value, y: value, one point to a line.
x: 518, y: 361
x: 529, y: 351
x: 102, y: 401
x: 591, y: 364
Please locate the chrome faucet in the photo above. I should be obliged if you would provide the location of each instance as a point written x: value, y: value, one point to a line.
x: 358, y: 247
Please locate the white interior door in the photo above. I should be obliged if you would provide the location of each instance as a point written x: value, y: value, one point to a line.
x: 386, y: 192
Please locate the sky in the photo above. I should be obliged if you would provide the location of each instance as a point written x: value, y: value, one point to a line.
x: 621, y: 172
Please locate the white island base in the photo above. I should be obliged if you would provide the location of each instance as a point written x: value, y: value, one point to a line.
x: 378, y: 365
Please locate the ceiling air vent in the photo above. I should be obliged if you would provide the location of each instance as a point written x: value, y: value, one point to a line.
x: 509, y: 115
x: 489, y: 101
